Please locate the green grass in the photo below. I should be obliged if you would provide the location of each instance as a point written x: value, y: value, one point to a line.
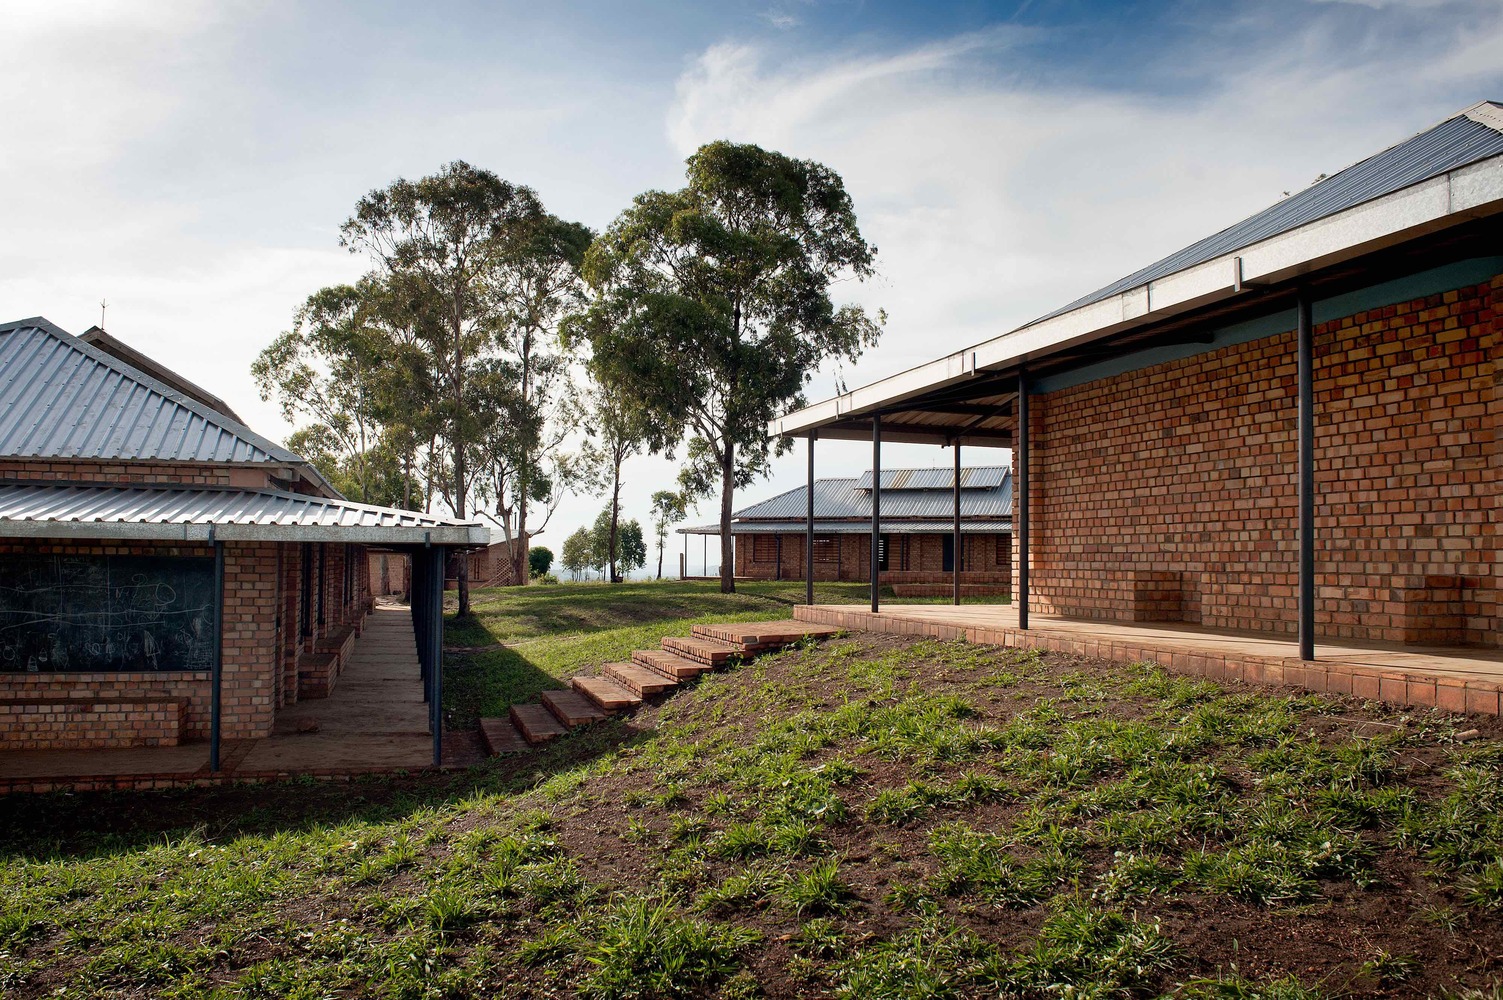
x: 521, y: 641
x: 868, y: 818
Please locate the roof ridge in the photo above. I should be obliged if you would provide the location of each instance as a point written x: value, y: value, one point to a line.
x: 1489, y: 113
x: 211, y: 417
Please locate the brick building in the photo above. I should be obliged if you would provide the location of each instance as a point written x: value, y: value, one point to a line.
x: 1287, y: 428
x: 166, y: 574
x: 916, y: 545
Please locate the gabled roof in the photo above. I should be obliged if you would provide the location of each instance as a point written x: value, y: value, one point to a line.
x: 63, y: 398
x: 983, y: 477
x: 837, y: 500
x: 173, y: 512
x: 113, y: 346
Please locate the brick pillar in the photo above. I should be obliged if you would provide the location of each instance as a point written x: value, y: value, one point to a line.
x: 250, y: 643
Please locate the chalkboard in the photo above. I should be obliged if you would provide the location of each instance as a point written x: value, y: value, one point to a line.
x: 65, y: 613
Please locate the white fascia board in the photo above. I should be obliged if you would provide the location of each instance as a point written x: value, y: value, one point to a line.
x: 1466, y: 193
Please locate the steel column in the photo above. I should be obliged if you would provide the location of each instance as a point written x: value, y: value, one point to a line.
x: 436, y: 655
x: 1020, y: 498
x: 216, y: 669
x: 1306, y: 484
x: 876, y: 506
x: 955, y: 562
x: 809, y: 529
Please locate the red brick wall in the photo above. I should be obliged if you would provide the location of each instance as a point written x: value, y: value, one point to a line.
x: 1178, y: 481
x: 925, y: 559
x: 249, y: 650
x: 122, y: 472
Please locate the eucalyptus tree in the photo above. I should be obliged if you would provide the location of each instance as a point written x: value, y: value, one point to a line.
x: 615, y: 431
x: 543, y: 276
x: 668, y: 508
x: 711, y: 309
x: 327, y: 368
x: 447, y: 240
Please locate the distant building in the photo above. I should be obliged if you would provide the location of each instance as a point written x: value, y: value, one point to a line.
x: 917, y: 548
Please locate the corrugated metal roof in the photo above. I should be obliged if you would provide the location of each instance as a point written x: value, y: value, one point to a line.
x: 1465, y: 138
x: 855, y: 528
x: 187, y: 513
x: 62, y: 398
x: 981, y: 477
x: 845, y: 498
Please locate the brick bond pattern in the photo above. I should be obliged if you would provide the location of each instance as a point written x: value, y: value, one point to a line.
x: 1168, y: 493
x: 925, y: 559
x: 254, y: 655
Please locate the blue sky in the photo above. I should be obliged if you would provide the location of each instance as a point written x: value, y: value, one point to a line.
x: 191, y: 163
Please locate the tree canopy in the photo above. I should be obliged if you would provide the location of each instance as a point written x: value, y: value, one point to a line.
x: 711, y: 308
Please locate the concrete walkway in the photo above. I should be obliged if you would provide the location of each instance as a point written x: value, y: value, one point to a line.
x: 1450, y: 678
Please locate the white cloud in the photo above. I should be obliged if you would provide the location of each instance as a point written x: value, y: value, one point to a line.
x: 994, y: 198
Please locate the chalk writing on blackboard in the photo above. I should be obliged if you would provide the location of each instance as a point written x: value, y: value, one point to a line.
x: 70, y: 613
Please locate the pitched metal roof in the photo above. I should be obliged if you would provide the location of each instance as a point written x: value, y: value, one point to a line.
x: 1470, y: 136
x: 837, y: 500
x: 189, y: 513
x: 1422, y: 189
x: 855, y: 527
x: 63, y: 398
x: 984, y: 477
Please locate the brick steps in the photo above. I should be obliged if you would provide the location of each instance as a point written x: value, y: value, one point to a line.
x: 572, y: 708
x: 501, y: 736
x: 639, y: 680
x: 623, y: 686
x: 710, y: 652
x: 670, y: 665
x: 606, y: 693
x: 536, y: 723
x: 760, y: 636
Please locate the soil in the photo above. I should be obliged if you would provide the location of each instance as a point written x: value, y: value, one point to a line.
x: 1324, y: 943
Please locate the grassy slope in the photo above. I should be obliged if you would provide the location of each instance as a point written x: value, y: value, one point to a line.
x: 871, y: 818
x: 523, y: 640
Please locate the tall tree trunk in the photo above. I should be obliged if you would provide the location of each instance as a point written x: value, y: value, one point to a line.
x: 523, y: 572
x: 727, y: 503
x: 460, y: 493
x: 615, y: 512
x: 662, y: 540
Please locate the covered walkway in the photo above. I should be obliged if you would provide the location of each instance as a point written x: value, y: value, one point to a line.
x: 1449, y: 678
x: 374, y: 721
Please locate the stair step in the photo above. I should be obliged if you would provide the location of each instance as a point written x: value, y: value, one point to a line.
x: 638, y: 679
x: 712, y: 652
x: 501, y: 737
x: 758, y: 636
x: 606, y: 693
x: 536, y: 723
x: 679, y: 668
x: 572, y: 708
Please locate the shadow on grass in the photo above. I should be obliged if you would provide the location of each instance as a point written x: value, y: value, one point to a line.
x: 102, y: 824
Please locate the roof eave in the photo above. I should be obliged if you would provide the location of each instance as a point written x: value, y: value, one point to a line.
x: 451, y: 535
x: 1451, y: 199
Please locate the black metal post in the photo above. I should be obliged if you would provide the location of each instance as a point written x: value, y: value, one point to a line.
x: 1306, y: 484
x: 876, y: 506
x: 955, y: 562
x: 436, y: 654
x: 809, y: 529
x: 216, y: 670
x: 419, y: 601
x: 1020, y: 497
